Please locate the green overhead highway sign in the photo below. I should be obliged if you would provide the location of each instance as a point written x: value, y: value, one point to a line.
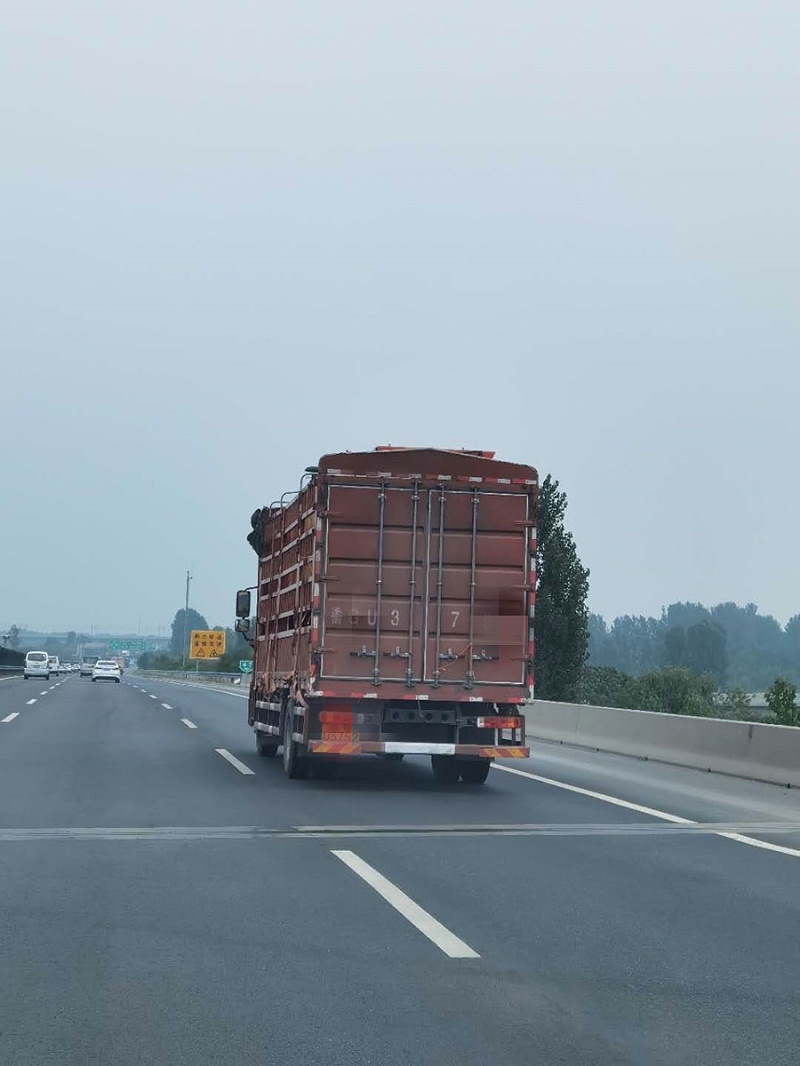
x: 132, y: 644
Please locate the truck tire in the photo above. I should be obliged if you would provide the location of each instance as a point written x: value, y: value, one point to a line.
x: 475, y: 771
x: 295, y: 765
x: 266, y: 747
x: 446, y: 769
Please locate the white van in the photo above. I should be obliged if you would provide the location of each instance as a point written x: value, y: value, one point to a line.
x: 55, y: 665
x: 37, y: 664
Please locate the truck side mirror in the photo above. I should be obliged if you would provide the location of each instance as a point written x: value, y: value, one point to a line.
x: 242, y: 625
x: 243, y: 604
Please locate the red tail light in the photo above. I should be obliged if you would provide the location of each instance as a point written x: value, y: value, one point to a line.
x: 499, y: 723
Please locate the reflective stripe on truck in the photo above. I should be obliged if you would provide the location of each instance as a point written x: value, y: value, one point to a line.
x: 404, y: 747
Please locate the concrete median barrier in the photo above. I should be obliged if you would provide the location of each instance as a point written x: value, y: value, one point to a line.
x: 743, y: 749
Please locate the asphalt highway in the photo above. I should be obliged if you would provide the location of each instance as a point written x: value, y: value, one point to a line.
x: 167, y: 896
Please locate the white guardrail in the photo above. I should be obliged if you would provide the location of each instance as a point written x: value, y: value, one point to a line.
x: 753, y: 750
x: 208, y: 676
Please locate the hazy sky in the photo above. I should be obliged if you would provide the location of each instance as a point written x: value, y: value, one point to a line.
x: 236, y: 235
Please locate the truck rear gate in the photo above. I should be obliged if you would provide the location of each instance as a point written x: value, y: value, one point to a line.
x: 395, y: 607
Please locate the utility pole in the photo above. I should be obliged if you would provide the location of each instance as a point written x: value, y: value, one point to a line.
x: 185, y: 617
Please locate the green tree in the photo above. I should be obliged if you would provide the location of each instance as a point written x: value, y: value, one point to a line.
x: 158, y: 660
x: 685, y: 615
x: 739, y: 646
x: 603, y: 686
x: 194, y: 620
x: 675, y: 646
x: 562, y: 585
x: 792, y: 641
x: 237, y: 649
x: 700, y: 648
x: 756, y: 646
x: 634, y: 644
x: 735, y: 704
x: 599, y: 644
x: 676, y: 690
x: 780, y: 697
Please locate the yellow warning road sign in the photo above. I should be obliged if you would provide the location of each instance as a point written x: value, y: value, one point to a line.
x: 207, y: 644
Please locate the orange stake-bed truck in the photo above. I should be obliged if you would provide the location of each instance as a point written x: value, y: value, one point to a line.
x: 394, y: 612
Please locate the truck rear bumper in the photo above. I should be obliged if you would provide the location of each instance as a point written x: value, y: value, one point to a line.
x: 406, y: 747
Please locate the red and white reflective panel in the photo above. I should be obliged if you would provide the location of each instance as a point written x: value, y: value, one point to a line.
x: 374, y: 747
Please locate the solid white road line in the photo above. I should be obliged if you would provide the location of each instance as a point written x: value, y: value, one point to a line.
x: 191, y: 725
x: 596, y: 795
x: 10, y: 717
x: 755, y: 843
x: 663, y: 815
x: 209, y: 687
x: 240, y: 766
x: 166, y: 706
x: 448, y: 942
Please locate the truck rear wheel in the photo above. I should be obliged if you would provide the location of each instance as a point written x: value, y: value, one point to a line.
x: 295, y: 765
x: 475, y: 771
x: 446, y: 769
x: 266, y: 746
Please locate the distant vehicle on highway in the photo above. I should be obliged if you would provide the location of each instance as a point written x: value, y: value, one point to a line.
x: 55, y: 665
x: 37, y: 664
x: 106, y: 670
x: 87, y: 665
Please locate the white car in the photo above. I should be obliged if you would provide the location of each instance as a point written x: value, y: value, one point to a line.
x: 106, y: 670
x: 37, y: 664
x: 55, y: 665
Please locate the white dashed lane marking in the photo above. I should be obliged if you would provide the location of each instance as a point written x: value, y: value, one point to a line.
x: 190, y: 725
x: 440, y: 935
x: 10, y: 717
x: 240, y: 766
